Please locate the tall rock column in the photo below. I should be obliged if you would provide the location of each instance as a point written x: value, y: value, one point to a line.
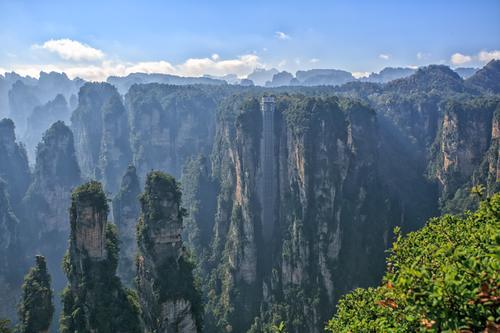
x: 10, y: 266
x: 36, y: 308
x: 94, y: 300
x: 169, y: 299
x: 125, y: 214
x: 14, y: 168
x: 100, y: 127
x: 48, y: 198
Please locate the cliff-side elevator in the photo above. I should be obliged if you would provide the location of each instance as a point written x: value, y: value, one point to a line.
x: 268, y: 160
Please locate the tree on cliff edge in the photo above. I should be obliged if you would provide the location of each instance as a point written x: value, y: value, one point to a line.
x: 36, y: 308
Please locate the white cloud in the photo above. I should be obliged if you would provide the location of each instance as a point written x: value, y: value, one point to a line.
x: 162, y: 67
x: 216, y: 57
x: 384, y: 56
x: 460, y: 59
x: 282, y: 35
x: 359, y: 75
x: 73, y: 50
x: 487, y: 56
x: 314, y: 60
x: 282, y: 63
x: 240, y: 66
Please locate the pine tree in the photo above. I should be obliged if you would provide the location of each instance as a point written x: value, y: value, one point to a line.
x: 36, y: 308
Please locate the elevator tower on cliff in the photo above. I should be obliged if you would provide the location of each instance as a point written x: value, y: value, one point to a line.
x: 268, y: 107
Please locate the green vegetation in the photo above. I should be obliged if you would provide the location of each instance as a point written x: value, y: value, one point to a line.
x: 36, y: 308
x: 95, y: 299
x: 5, y: 326
x: 164, y: 271
x: 443, y: 278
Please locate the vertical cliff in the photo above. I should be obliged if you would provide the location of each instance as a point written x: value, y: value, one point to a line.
x: 45, y: 206
x: 40, y: 120
x: 168, y: 125
x: 36, y: 308
x: 465, y: 151
x: 199, y: 195
x: 11, y: 256
x: 100, y: 128
x: 169, y: 298
x: 94, y: 300
x: 125, y: 214
x: 14, y: 169
x: 332, y: 220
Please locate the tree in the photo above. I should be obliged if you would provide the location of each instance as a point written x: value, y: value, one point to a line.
x: 36, y: 308
x: 444, y: 277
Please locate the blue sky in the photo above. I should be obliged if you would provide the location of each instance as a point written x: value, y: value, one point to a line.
x: 98, y: 38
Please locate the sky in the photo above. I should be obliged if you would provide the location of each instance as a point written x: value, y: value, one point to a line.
x: 94, y: 39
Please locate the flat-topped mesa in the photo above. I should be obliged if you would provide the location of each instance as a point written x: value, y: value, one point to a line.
x: 162, y: 215
x: 88, y: 214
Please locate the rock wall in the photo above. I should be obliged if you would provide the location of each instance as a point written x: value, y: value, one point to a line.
x: 94, y: 300
x: 332, y: 223
x: 165, y: 282
x: 125, y: 214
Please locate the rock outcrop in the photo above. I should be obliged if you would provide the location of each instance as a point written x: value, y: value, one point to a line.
x: 40, y: 120
x: 199, y: 198
x: 332, y: 221
x: 169, y: 124
x: 100, y: 128
x: 45, y: 206
x: 169, y: 298
x: 94, y: 300
x: 14, y: 168
x: 126, y: 211
x: 11, y: 256
x: 466, y: 151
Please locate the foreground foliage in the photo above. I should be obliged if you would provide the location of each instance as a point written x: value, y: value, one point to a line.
x: 443, y: 278
x: 36, y: 308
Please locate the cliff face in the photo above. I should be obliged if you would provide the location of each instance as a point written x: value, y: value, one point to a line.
x: 169, y: 124
x: 101, y: 134
x: 45, y: 214
x: 11, y: 262
x: 94, y: 300
x: 199, y: 198
x: 40, y: 120
x: 466, y: 151
x: 168, y: 296
x: 14, y: 168
x: 125, y: 214
x: 332, y: 220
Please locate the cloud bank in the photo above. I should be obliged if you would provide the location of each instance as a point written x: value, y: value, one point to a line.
x: 483, y: 56
x: 84, y: 61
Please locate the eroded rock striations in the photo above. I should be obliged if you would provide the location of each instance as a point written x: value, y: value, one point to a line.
x: 36, y: 308
x: 168, y: 125
x: 41, y: 118
x: 100, y: 127
x: 45, y: 214
x: 11, y: 256
x: 332, y: 220
x: 126, y: 211
x: 169, y: 298
x: 14, y: 169
x: 94, y: 300
x: 466, y: 151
